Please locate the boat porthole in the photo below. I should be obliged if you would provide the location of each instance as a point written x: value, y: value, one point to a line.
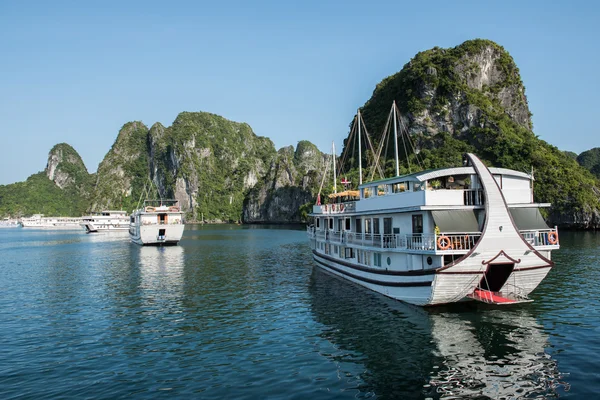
x: 429, y: 261
x: 389, y: 261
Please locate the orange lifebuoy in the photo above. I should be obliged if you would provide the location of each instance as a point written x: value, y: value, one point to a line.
x: 341, y: 207
x: 443, y: 243
x: 553, y: 237
x: 150, y: 209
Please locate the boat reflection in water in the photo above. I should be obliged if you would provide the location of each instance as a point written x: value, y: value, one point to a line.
x: 494, y: 353
x: 464, y: 351
x: 161, y: 270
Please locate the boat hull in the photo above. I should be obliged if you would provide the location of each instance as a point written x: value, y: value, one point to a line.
x: 414, y: 287
x: 429, y: 287
x: 157, y: 235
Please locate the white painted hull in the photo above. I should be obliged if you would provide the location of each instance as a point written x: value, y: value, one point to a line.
x: 413, y: 289
x: 429, y: 287
x: 52, y: 226
x: 150, y: 235
x: 90, y: 227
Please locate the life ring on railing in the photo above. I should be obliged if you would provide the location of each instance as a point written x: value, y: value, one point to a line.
x: 174, y: 209
x: 443, y: 243
x: 150, y: 209
x: 341, y: 207
x: 335, y: 207
x: 553, y: 237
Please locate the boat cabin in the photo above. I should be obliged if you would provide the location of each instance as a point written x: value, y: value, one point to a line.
x: 412, y: 212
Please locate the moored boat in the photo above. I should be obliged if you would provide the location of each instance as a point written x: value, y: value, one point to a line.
x: 42, y: 222
x: 106, y: 221
x: 9, y: 223
x: 439, y: 236
x: 159, y: 223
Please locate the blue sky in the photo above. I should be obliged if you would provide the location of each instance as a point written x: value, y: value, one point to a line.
x: 73, y: 72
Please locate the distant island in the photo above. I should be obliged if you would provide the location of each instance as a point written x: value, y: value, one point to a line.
x: 469, y: 98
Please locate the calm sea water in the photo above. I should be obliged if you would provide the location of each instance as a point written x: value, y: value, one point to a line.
x: 243, y: 313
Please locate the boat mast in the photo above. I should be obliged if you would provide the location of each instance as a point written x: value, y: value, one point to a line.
x: 333, y: 160
x: 359, y: 150
x: 396, y: 140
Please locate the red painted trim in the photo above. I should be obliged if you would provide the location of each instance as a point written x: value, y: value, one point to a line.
x: 501, y: 253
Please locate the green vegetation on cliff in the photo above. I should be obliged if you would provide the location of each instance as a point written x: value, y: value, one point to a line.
x: 62, y: 189
x: 123, y: 173
x: 212, y: 160
x: 39, y: 195
x: 590, y: 160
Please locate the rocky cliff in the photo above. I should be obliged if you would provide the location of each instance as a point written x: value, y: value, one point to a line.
x: 471, y: 98
x: 292, y: 182
x: 209, y: 164
x: 63, y: 188
x: 123, y: 173
x: 66, y: 169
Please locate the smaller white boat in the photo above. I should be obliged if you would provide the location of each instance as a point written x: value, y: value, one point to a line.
x: 9, y: 223
x: 158, y: 223
x: 106, y: 221
x: 41, y: 222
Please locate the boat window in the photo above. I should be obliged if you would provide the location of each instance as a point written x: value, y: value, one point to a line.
x: 347, y: 224
x: 376, y: 226
x: 349, y: 252
x: 330, y: 224
x: 340, y: 224
x: 377, y: 259
x: 416, y: 187
x: 400, y: 187
x: 387, y: 226
x: 367, y: 192
x: 358, y: 225
x: 318, y: 222
x: 417, y: 223
x: 367, y: 225
x: 381, y: 190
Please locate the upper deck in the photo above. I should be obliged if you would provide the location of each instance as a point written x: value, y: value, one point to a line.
x: 448, y: 187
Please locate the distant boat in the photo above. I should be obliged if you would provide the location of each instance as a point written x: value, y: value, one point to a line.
x: 9, y: 223
x: 39, y: 221
x: 158, y: 223
x: 106, y: 221
x: 438, y: 236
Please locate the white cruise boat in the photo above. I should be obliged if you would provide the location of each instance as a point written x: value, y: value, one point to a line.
x: 159, y: 222
x: 439, y: 236
x: 106, y: 221
x: 9, y: 223
x: 41, y: 222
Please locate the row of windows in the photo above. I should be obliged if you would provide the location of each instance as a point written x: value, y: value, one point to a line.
x: 372, y: 225
x: 362, y: 256
x: 385, y: 189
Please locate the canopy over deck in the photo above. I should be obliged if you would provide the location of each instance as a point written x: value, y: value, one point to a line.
x: 347, y: 193
x: 456, y: 221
